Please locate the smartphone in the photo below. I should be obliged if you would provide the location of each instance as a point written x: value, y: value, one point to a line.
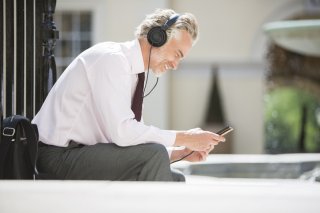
x: 225, y: 131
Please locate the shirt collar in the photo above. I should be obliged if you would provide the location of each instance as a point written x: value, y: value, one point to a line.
x: 132, y: 50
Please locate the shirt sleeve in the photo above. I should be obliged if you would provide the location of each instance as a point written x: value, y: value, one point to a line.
x: 110, y: 81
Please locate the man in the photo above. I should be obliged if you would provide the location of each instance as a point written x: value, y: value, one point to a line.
x: 89, y: 125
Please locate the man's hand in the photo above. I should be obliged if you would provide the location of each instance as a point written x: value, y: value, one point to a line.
x: 198, y: 140
x: 196, y: 156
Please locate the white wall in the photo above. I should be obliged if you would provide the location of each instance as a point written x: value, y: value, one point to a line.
x: 241, y: 87
x: 230, y: 29
x: 231, y: 37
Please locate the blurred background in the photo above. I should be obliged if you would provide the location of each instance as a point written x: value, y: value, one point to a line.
x: 256, y: 67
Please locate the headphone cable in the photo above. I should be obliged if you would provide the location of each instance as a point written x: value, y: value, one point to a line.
x: 182, y: 157
x: 144, y: 89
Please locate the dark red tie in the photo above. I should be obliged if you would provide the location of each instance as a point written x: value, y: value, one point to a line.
x: 138, y: 97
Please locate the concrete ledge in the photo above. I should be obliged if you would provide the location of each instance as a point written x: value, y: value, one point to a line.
x: 208, y: 195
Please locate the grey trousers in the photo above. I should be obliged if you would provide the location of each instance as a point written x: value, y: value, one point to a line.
x: 145, y: 162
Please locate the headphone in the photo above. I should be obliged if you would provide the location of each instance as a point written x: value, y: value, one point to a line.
x: 157, y: 36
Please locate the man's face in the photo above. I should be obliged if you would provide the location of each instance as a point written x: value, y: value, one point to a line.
x: 171, y: 53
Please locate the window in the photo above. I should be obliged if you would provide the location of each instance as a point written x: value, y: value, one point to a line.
x: 75, y: 36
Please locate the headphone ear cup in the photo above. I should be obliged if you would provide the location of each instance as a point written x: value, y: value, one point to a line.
x: 157, y: 36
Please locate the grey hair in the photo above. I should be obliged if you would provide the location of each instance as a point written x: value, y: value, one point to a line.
x: 186, y: 21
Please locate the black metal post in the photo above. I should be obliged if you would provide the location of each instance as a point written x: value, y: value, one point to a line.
x: 1, y: 63
x: 29, y: 58
x: 9, y: 46
x: 19, y: 49
x: 49, y: 36
x: 38, y: 55
x: 46, y: 68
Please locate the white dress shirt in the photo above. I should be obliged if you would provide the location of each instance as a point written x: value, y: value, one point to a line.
x: 91, y: 101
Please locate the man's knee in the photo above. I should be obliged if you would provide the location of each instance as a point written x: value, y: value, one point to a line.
x: 154, y: 154
x: 157, y: 150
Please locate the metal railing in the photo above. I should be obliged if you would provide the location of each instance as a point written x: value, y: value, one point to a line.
x: 27, y: 64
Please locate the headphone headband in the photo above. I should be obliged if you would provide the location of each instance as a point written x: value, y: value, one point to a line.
x: 170, y: 21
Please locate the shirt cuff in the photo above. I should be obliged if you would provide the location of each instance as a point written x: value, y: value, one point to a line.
x: 168, y: 138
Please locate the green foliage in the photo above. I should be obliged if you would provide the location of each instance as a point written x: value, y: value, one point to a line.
x: 283, y: 112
